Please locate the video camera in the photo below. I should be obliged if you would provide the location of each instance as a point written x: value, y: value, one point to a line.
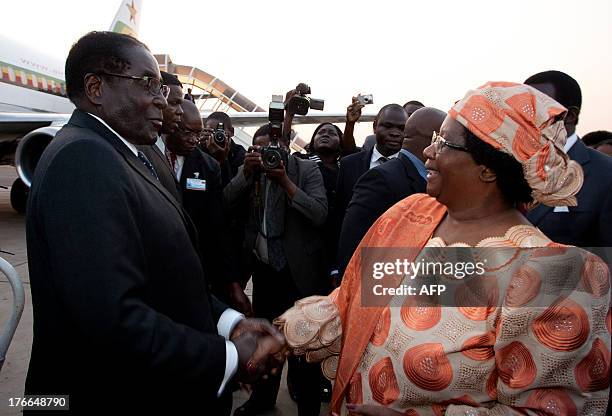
x: 301, y: 103
x: 273, y: 154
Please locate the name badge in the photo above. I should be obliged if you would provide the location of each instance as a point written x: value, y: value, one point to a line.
x: 561, y: 209
x: 194, y: 184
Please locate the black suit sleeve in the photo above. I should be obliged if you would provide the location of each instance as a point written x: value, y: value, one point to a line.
x: 372, y: 196
x: 605, y: 222
x: 100, y: 267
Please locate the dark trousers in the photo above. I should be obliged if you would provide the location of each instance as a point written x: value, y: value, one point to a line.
x: 273, y: 293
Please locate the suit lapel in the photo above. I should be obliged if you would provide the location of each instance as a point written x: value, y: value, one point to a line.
x: 82, y: 119
x: 579, y: 153
x: 365, y: 162
x: 536, y: 215
x: 162, y: 157
x: 411, y: 172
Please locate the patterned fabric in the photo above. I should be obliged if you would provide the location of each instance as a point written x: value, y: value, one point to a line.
x: 550, y: 360
x: 528, y: 125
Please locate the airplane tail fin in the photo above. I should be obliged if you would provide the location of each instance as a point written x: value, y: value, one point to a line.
x: 127, y: 19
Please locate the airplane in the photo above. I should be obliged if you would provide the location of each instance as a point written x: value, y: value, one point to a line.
x: 34, y: 105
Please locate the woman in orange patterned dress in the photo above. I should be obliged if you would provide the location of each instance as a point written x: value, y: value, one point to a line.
x: 536, y: 350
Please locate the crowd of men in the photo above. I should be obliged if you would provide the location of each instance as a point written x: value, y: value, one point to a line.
x: 143, y: 229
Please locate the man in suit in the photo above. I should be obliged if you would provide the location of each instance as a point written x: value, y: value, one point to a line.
x: 283, y: 248
x: 589, y: 224
x: 171, y: 117
x: 389, y: 129
x: 382, y: 186
x: 410, y: 107
x: 199, y: 178
x: 123, y: 320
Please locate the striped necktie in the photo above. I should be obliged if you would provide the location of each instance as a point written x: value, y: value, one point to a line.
x: 148, y: 164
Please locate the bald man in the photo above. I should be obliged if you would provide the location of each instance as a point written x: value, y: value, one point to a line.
x: 381, y: 187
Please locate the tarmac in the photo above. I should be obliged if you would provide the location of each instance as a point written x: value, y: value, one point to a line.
x: 13, y: 373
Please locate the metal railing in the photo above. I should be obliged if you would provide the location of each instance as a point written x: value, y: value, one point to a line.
x: 18, y: 302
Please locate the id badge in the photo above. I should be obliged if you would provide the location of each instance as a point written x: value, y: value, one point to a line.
x: 194, y: 184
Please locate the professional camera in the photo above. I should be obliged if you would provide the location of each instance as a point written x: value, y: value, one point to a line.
x: 300, y: 104
x: 272, y: 155
x: 219, y: 135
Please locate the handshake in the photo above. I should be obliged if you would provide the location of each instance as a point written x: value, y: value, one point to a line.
x: 261, y: 347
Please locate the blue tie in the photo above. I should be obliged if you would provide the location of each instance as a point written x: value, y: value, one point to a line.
x: 148, y: 164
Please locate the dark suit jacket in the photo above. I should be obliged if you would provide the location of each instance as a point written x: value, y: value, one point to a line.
x: 206, y: 211
x: 589, y: 224
x: 122, y: 316
x: 163, y: 169
x: 376, y: 191
x: 304, y: 214
x: 351, y: 169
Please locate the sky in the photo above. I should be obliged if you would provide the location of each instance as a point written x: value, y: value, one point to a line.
x: 430, y: 51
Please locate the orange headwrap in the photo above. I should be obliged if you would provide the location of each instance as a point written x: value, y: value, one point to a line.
x: 528, y: 125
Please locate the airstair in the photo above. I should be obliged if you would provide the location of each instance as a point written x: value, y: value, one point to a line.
x: 211, y: 93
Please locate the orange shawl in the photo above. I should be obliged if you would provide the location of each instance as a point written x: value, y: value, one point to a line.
x: 409, y: 223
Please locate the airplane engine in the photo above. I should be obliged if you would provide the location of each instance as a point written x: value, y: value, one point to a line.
x: 28, y: 153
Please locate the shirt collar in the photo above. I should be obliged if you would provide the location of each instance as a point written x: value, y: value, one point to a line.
x: 418, y: 163
x: 571, y: 140
x: 128, y: 144
x: 161, y: 144
x: 377, y: 155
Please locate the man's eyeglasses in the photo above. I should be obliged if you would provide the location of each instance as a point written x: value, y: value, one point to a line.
x: 198, y: 134
x: 439, y: 142
x: 154, y: 85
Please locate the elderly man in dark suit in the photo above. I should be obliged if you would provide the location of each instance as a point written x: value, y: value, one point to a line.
x: 283, y: 247
x: 382, y: 186
x: 123, y: 321
x: 589, y: 224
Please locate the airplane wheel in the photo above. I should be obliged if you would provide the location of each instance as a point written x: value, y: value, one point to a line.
x: 19, y: 196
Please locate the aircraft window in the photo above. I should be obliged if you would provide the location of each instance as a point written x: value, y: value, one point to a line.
x: 24, y: 78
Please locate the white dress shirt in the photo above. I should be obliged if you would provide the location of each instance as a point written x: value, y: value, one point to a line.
x: 229, y: 318
x: 128, y: 144
x: 571, y: 140
x: 376, y: 156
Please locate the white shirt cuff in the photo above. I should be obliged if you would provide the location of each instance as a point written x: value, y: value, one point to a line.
x: 231, y: 364
x: 228, y: 320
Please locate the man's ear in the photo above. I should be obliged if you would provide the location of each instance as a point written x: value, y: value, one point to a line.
x: 374, y: 126
x: 573, y: 113
x: 93, y: 88
x: 487, y: 175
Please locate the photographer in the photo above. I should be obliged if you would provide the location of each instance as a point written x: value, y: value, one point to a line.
x: 283, y: 247
x: 229, y: 154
